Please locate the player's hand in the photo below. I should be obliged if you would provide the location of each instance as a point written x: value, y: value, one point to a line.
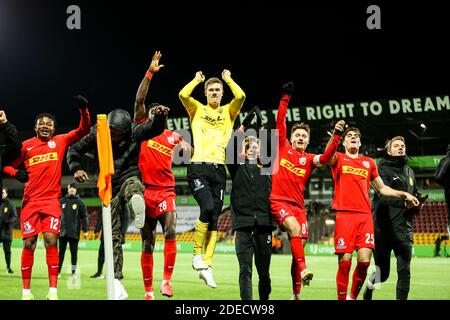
x: 80, y: 102
x: 339, y: 128
x: 199, y: 76
x: 226, y: 74
x: 240, y: 130
x: 288, y: 88
x: 162, y: 110
x: 22, y: 176
x: 411, y: 201
x: 81, y: 176
x: 3, y: 119
x: 154, y: 65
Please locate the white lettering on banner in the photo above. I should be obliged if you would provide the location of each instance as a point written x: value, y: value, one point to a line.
x: 330, y: 112
x: 372, y: 108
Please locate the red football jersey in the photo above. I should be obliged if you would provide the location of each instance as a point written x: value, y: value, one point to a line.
x: 352, y: 179
x: 43, y: 161
x: 155, y: 159
x: 292, y: 168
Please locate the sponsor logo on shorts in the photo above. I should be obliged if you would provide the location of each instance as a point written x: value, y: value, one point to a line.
x: 27, y: 228
x: 341, y: 244
x: 197, y: 184
x: 159, y: 147
x: 52, y: 156
x: 356, y: 171
x: 292, y: 168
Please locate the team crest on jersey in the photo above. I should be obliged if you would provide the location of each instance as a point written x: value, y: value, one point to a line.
x: 5, y: 210
x: 302, y: 161
x: 366, y: 164
x: 411, y: 181
x: 171, y: 140
x: 283, y: 213
x: 63, y: 206
x: 51, y: 144
x: 341, y: 244
x: 74, y: 206
x: 27, y: 228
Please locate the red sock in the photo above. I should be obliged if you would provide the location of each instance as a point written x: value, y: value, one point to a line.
x: 147, y: 270
x: 53, y: 265
x: 359, y: 275
x: 27, y: 265
x: 298, y: 258
x: 296, y: 278
x: 342, y: 279
x: 170, y: 253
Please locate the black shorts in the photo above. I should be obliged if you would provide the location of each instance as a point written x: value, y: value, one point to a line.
x: 207, y: 177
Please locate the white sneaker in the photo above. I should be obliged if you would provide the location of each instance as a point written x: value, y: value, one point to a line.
x: 119, y: 291
x: 206, y: 275
x: 198, y: 263
x: 349, y: 298
x: 138, y: 206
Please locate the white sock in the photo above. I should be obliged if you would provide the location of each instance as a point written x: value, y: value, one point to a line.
x: 52, y: 289
x: 26, y: 291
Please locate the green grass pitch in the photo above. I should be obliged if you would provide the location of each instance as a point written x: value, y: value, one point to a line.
x: 430, y: 279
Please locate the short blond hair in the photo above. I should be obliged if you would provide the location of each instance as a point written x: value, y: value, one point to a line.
x: 210, y: 81
x: 389, y: 142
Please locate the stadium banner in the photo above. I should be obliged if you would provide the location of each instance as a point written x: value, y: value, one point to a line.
x: 312, y: 249
x: 434, y: 106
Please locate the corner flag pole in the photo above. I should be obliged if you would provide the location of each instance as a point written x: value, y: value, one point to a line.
x: 104, y: 185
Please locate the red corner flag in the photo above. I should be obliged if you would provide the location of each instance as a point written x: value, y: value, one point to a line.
x: 105, y: 160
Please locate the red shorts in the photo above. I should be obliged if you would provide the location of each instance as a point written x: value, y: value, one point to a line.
x: 281, y: 210
x: 353, y: 231
x: 159, y: 201
x: 40, y: 216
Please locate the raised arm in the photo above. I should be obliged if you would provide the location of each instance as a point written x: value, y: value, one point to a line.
x: 249, y: 118
x: 85, y: 121
x: 385, y: 191
x: 12, y: 146
x: 189, y: 103
x: 287, y: 90
x: 153, y: 128
x: 139, y: 104
x: 238, y: 93
x: 329, y: 156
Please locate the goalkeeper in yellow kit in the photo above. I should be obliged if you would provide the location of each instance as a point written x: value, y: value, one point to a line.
x: 211, y: 125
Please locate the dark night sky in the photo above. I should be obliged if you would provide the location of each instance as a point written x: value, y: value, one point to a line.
x: 326, y: 50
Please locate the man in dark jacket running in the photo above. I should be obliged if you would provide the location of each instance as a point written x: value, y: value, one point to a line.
x: 74, y: 217
x: 393, y: 223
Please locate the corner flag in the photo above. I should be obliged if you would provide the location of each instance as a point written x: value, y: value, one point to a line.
x: 104, y: 184
x: 105, y: 159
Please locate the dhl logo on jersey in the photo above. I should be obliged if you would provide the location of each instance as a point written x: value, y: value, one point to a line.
x: 159, y: 147
x: 357, y: 171
x: 292, y: 168
x: 52, y: 156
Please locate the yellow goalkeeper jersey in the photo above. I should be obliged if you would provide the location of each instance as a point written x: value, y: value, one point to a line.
x: 211, y: 128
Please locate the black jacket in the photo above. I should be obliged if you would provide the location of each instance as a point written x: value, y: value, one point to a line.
x: 125, y: 152
x: 73, y: 215
x: 10, y: 146
x: 250, y: 205
x: 443, y: 171
x: 8, y: 218
x: 391, y: 221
